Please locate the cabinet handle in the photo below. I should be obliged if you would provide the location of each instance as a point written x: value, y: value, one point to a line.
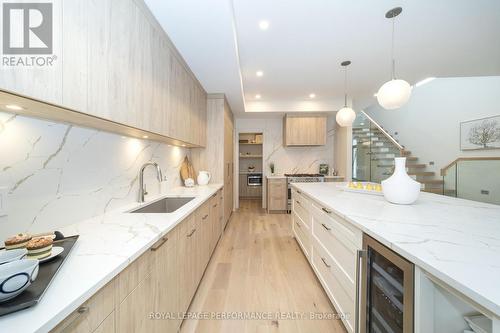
x: 299, y: 192
x: 324, y: 262
x: 162, y: 241
x: 213, y: 196
x: 192, y: 232
x: 326, y: 210
x: 204, y: 217
x: 360, y: 254
x: 326, y: 227
x: 297, y: 223
x: 214, y: 205
x: 82, y: 309
x: 297, y: 201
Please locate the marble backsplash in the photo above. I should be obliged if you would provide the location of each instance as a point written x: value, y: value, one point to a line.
x: 57, y: 174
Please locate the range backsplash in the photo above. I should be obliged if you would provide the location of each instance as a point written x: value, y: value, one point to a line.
x: 57, y: 174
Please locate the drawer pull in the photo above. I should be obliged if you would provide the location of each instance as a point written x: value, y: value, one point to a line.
x: 297, y: 201
x: 326, y: 227
x: 299, y: 192
x: 204, y: 217
x: 215, y: 205
x: 324, y: 262
x: 326, y: 210
x: 192, y: 232
x: 297, y: 223
x: 162, y: 241
x: 83, y: 309
x: 213, y: 196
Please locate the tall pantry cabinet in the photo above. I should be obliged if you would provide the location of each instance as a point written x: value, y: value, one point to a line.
x: 217, y: 156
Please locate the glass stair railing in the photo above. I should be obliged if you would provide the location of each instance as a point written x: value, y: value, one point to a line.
x: 373, y: 151
x: 473, y: 178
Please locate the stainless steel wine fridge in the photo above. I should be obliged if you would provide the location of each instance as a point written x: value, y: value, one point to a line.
x: 386, y: 290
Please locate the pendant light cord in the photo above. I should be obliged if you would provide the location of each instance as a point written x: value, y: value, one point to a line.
x: 345, y: 86
x: 393, y: 64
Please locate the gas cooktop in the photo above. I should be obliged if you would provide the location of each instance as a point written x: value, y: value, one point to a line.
x: 303, y: 175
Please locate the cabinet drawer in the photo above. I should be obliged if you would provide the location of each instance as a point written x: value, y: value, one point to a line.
x: 301, y: 206
x: 131, y: 276
x: 342, y: 229
x: 334, y: 284
x: 92, y: 313
x: 339, y: 248
x: 302, y: 235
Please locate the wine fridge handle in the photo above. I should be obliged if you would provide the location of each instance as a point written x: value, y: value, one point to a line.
x: 359, y: 257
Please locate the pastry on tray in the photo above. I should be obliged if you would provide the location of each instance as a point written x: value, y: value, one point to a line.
x: 18, y: 241
x: 39, y: 248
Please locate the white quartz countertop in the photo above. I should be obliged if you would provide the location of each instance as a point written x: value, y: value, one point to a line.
x: 455, y: 240
x: 107, y: 244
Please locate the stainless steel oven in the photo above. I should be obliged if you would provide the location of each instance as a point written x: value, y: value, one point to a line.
x: 254, y: 179
x: 386, y: 290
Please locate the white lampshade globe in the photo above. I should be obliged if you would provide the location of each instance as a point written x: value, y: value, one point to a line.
x: 394, y: 94
x: 345, y: 117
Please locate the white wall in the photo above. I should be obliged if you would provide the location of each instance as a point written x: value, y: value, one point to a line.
x: 286, y: 159
x: 57, y: 174
x: 429, y: 125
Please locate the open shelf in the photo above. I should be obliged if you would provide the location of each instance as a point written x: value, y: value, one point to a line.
x: 251, y: 144
x: 250, y: 156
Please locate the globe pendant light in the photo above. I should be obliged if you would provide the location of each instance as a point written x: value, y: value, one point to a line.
x: 394, y: 93
x: 345, y: 116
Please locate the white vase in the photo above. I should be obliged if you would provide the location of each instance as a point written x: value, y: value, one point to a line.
x: 400, y: 188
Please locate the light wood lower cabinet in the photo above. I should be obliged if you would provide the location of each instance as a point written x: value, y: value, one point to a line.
x: 277, y: 196
x: 330, y: 244
x: 154, y: 291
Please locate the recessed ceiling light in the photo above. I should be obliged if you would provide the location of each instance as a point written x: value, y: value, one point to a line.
x: 258, y: 96
x: 424, y: 81
x: 259, y: 73
x: 14, y: 107
x: 264, y: 25
x: 312, y: 95
x: 145, y: 136
x: 184, y: 145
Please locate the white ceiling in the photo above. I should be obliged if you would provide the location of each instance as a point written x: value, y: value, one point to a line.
x: 301, y: 51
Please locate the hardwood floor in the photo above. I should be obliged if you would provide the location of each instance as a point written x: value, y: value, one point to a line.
x: 256, y: 270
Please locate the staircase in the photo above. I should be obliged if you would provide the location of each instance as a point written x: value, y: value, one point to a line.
x: 381, y: 148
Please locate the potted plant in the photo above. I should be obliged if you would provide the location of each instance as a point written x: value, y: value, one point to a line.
x: 271, y: 166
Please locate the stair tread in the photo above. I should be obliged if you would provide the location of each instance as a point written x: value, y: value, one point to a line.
x: 421, y: 173
x: 432, y: 181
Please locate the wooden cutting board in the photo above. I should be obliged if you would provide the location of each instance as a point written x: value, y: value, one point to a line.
x: 187, y: 169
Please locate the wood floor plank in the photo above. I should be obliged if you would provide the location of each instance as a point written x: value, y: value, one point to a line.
x: 257, y: 269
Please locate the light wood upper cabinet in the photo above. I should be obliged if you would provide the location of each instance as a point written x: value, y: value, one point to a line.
x: 115, y: 62
x: 304, y: 130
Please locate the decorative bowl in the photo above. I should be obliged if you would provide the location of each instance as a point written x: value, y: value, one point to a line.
x: 16, y: 276
x: 12, y: 255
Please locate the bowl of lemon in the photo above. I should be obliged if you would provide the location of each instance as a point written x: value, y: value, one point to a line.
x: 363, y: 187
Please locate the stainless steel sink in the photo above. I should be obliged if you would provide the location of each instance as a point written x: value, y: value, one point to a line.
x: 166, y: 205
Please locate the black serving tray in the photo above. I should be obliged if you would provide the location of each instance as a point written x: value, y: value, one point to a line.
x: 46, y: 272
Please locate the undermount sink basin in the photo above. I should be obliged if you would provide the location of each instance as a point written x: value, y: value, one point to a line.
x: 166, y: 205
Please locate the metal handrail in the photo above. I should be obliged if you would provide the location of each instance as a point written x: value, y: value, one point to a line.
x: 482, y: 158
x: 387, y: 135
